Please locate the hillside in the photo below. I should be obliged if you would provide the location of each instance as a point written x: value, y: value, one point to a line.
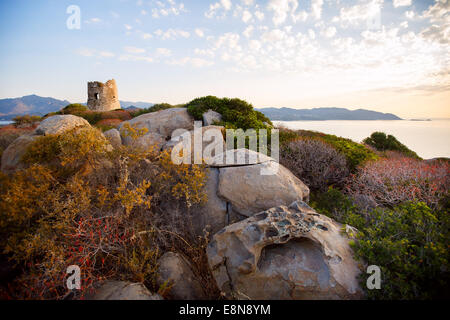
x: 289, y: 114
x: 37, y: 105
x: 31, y: 104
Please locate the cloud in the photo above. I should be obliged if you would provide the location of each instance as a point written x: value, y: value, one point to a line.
x: 166, y: 8
x: 259, y: 15
x: 93, y: 21
x: 316, y: 8
x: 130, y: 57
x: 224, y: 5
x: 281, y: 9
x: 134, y: 49
x: 106, y: 54
x: 401, y: 3
x: 194, y: 62
x: 86, y: 52
x: 356, y: 14
x: 246, y: 16
x: 329, y: 32
x: 163, y: 52
x: 248, y: 31
x: 172, y: 34
x: 199, y: 33
x: 128, y: 27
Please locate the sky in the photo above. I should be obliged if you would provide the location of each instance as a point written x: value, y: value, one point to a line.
x: 384, y: 55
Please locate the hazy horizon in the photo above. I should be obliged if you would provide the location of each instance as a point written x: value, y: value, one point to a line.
x: 380, y: 55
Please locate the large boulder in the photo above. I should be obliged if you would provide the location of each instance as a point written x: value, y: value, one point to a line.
x: 60, y: 124
x: 175, y: 272
x: 122, y: 290
x: 163, y: 122
x: 284, y: 253
x: 239, y: 157
x: 211, y: 138
x: 151, y: 139
x: 211, y: 216
x: 254, y: 188
x: 11, y: 157
x: 210, y: 117
x: 113, y: 137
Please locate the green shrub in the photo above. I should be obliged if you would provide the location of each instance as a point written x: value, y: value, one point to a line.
x: 154, y: 108
x: 74, y: 108
x: 355, y: 153
x: 26, y: 120
x: 236, y: 113
x: 383, y: 142
x: 408, y: 242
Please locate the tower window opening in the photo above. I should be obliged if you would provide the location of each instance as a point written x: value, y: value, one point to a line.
x: 97, y: 96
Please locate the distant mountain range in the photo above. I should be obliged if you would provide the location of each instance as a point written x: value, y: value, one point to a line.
x: 289, y: 114
x: 36, y: 105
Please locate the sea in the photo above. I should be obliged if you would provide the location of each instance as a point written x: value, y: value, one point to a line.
x: 429, y: 139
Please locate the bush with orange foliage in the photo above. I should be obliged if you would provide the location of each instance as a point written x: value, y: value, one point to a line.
x: 79, y: 203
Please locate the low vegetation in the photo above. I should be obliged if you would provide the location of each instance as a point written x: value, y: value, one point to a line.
x: 26, y: 120
x: 383, y: 142
x: 236, y: 113
x: 409, y: 242
x: 356, y: 154
x: 79, y: 202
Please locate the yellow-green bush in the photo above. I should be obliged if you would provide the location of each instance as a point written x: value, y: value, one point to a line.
x: 79, y: 202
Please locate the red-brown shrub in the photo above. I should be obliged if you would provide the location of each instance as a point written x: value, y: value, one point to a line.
x: 316, y: 163
x: 109, y: 122
x: 116, y: 114
x: 389, y: 182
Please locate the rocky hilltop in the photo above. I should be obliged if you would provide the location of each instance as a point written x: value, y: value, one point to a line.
x: 266, y: 242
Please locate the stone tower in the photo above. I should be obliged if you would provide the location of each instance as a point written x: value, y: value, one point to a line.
x: 103, y: 96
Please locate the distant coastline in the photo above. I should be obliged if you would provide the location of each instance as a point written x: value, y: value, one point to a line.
x: 323, y: 114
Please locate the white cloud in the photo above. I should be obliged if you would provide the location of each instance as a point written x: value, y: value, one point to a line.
x: 130, y: 57
x: 199, y: 33
x: 93, y: 21
x: 106, y: 54
x: 356, y: 14
x: 163, y: 52
x: 146, y: 36
x: 402, y: 3
x: 246, y: 16
x: 215, y: 7
x: 255, y: 45
x: 273, y: 35
x: 195, y: 62
x: 85, y: 52
x: 316, y: 8
x: 410, y: 14
x: 128, y: 27
x: 166, y: 8
x: 228, y: 40
x: 329, y: 32
x: 248, y: 2
x: 130, y: 49
x: 248, y: 31
x: 281, y: 9
x: 172, y: 34
x: 205, y: 52
x: 259, y: 15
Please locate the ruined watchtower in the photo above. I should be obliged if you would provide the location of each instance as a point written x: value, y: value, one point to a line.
x: 103, y: 96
